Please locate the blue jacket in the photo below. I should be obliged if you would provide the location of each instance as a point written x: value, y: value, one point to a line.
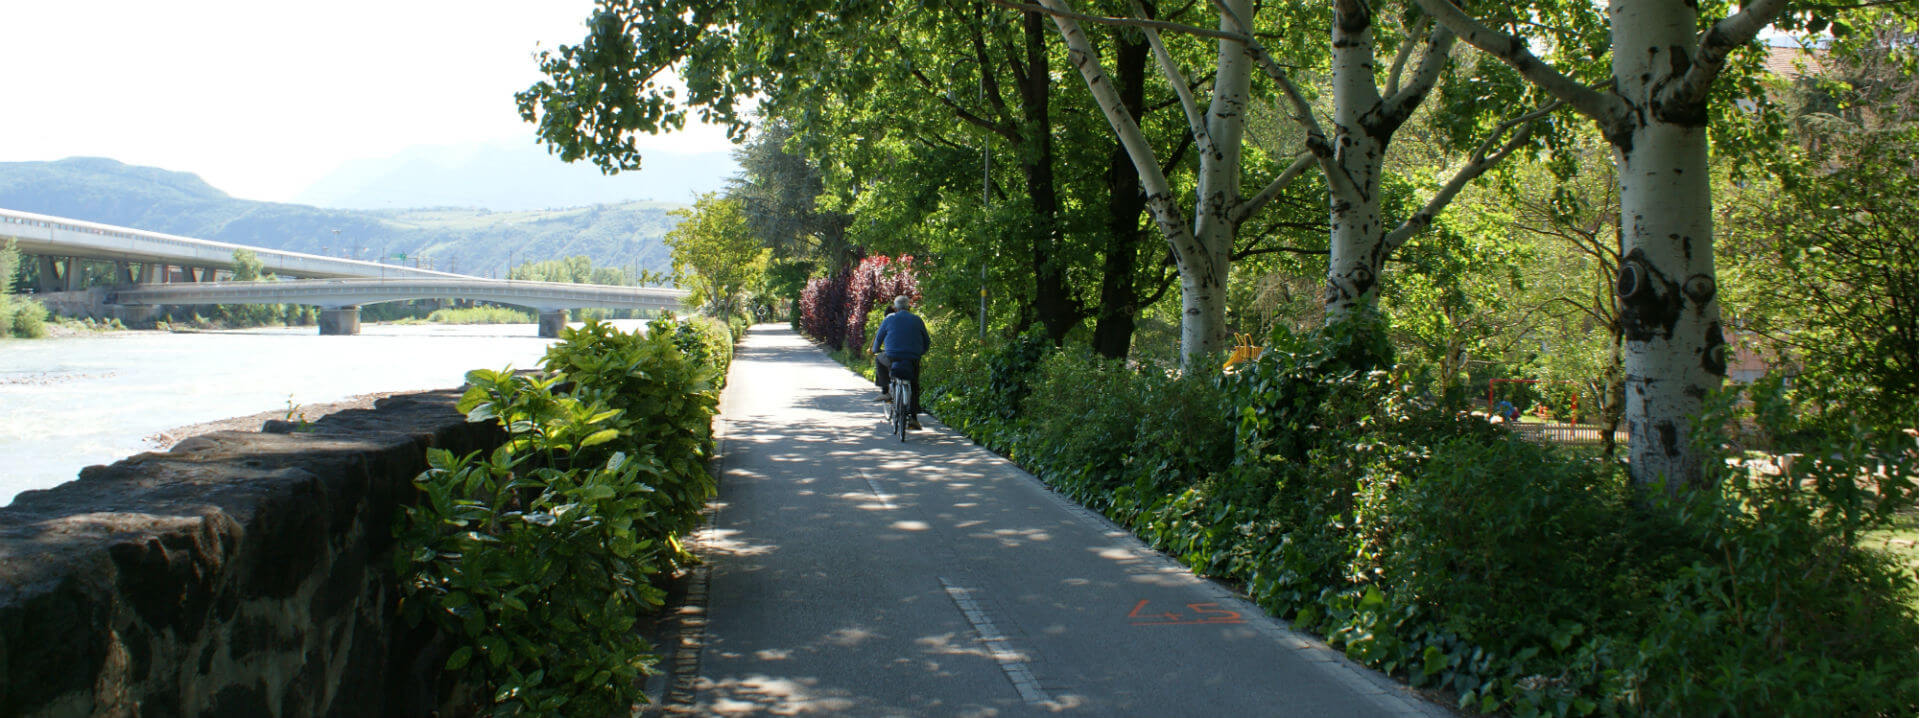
x: 903, y: 335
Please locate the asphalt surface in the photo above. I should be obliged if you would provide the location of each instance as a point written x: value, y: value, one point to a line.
x: 851, y: 574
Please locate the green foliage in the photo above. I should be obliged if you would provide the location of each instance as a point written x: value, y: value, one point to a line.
x: 716, y: 256
x: 981, y: 392
x: 22, y: 318
x: 1821, y: 258
x: 9, y: 266
x: 580, y: 269
x: 480, y: 315
x: 1435, y: 546
x: 539, y: 554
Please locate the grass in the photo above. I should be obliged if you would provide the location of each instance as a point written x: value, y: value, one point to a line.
x: 1902, y: 539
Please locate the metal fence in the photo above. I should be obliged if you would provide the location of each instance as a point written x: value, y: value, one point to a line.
x: 1564, y: 433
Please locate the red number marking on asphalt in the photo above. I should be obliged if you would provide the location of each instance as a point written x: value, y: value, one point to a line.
x: 1201, y: 613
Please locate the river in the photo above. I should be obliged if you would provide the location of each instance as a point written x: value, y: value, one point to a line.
x: 71, y: 402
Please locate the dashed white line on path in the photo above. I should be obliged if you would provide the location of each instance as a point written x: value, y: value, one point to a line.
x: 1011, y: 662
x: 885, y: 500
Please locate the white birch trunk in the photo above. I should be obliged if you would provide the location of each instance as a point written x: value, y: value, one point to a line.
x: 1357, y: 245
x: 1674, y: 351
x: 1203, y: 278
x: 1200, y: 249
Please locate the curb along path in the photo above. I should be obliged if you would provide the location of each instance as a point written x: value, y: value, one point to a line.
x: 849, y: 574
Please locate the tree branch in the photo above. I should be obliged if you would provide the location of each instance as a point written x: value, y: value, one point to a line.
x: 1195, y: 120
x: 1153, y: 181
x: 961, y: 112
x: 1608, y: 110
x: 1302, y: 112
x: 991, y: 83
x: 1266, y: 194
x: 1406, y: 51
x: 1478, y: 162
x: 1716, y: 43
x: 1127, y: 21
x: 1400, y: 104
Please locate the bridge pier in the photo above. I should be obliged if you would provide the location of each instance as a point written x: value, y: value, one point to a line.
x: 551, y: 322
x: 339, y: 321
x: 52, y: 279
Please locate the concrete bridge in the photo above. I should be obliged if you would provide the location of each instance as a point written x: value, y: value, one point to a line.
x: 340, y: 299
x: 143, y: 257
x: 152, y: 269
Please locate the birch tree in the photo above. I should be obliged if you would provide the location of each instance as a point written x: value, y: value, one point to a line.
x: 1365, y: 116
x: 1653, y: 109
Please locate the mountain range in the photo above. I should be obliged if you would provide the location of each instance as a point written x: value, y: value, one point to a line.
x: 452, y: 238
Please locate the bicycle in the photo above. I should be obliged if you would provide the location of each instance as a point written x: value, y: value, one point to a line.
x: 899, y: 398
x: 900, y: 406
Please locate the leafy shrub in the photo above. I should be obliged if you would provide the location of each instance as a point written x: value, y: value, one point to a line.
x: 874, y: 282
x: 531, y: 555
x: 1434, y: 545
x: 737, y: 326
x: 29, y: 320
x: 539, y: 554
x: 481, y: 315
x: 823, y: 310
x: 706, y: 340
x: 980, y: 390
x: 1083, y: 416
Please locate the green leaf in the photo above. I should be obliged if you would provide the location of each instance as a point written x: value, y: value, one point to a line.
x: 482, y: 412
x: 461, y: 656
x: 1373, y: 599
x: 1433, y: 661
x: 599, y: 437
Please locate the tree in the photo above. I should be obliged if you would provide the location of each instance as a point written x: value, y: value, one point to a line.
x: 9, y: 266
x: 1826, y: 245
x: 1364, y: 119
x: 876, y: 92
x: 715, y: 254
x: 1572, y: 212
x: 1655, y: 112
x: 778, y: 191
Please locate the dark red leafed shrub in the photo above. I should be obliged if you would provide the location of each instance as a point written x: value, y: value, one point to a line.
x: 823, y: 310
x: 875, y: 281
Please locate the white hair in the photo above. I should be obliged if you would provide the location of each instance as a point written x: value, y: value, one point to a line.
x: 901, y: 302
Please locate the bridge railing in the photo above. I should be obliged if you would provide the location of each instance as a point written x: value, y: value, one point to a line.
x: 210, y: 251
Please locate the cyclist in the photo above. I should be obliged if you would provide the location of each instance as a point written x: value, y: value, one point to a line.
x: 897, y: 347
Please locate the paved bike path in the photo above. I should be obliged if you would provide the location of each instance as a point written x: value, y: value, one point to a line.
x: 851, y: 574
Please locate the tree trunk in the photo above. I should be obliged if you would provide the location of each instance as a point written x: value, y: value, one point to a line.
x: 1357, y: 248
x: 1119, y: 288
x: 1201, y: 257
x: 1203, y: 273
x: 1053, y: 303
x: 1674, y: 353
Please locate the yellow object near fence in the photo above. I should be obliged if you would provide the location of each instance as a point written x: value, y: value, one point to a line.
x: 1243, y: 351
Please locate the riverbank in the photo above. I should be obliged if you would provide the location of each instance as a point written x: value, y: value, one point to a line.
x: 164, y: 440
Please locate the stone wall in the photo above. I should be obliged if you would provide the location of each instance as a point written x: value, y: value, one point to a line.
x: 240, y: 574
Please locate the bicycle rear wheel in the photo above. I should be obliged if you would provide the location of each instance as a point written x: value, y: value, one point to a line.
x: 902, y: 407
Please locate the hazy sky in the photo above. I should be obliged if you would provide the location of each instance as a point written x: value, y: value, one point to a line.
x: 262, y: 98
